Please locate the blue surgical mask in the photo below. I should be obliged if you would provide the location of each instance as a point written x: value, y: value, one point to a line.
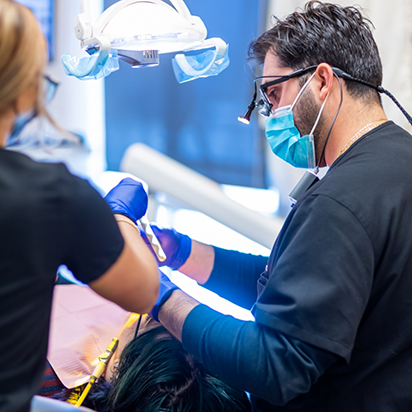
x: 19, y: 124
x: 49, y: 87
x: 285, y: 139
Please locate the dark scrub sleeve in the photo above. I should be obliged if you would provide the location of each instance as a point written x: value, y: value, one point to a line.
x: 94, y: 240
x: 252, y: 357
x: 234, y: 276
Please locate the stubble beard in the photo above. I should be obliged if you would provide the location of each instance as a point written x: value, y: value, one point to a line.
x: 305, y: 113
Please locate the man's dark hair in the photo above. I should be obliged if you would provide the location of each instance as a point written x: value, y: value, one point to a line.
x: 155, y: 373
x: 325, y: 33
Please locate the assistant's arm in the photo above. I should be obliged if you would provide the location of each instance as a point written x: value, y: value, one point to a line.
x: 114, y: 263
x: 132, y: 281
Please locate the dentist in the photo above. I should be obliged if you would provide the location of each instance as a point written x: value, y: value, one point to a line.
x: 333, y: 304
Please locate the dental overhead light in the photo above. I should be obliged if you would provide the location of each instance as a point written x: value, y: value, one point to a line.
x: 137, y: 32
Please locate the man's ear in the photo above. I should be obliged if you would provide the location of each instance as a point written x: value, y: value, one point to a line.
x: 325, y: 79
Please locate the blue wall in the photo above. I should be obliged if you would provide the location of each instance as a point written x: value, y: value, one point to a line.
x: 195, y: 122
x: 44, y: 12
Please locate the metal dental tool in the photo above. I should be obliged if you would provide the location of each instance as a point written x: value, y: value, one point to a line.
x: 154, y: 241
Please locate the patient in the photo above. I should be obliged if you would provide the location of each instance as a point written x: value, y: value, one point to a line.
x: 150, y: 371
x: 155, y: 373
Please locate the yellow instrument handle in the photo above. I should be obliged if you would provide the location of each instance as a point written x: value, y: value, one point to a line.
x: 99, y: 369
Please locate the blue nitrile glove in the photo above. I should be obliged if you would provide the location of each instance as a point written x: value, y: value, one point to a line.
x: 176, y: 246
x: 165, y: 291
x: 128, y: 198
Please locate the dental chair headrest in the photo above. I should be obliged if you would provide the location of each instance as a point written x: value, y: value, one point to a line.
x: 42, y: 404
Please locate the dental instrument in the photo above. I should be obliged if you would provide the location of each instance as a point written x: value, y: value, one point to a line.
x: 99, y: 369
x: 152, y: 239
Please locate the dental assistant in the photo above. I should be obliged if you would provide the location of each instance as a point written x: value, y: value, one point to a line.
x: 49, y: 218
x: 333, y: 303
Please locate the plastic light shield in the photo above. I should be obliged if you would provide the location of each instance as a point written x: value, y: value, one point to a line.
x: 194, y: 65
x: 149, y: 26
x: 96, y: 66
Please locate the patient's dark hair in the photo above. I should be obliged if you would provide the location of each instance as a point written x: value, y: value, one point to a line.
x: 155, y: 373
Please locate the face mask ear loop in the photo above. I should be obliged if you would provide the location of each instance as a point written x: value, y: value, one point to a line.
x: 319, y: 114
x: 331, y: 126
x: 302, y: 90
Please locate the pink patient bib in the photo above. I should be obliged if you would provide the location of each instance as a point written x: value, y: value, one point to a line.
x: 82, y: 326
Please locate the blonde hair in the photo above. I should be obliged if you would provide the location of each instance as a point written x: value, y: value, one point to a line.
x: 22, y: 50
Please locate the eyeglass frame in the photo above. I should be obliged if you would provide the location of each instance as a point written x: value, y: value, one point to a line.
x: 264, y: 105
x: 50, y: 87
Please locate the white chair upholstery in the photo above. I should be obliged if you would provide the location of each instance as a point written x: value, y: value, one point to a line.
x: 42, y: 404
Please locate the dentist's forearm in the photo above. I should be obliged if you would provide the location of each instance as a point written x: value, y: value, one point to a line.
x: 199, y: 264
x: 173, y: 312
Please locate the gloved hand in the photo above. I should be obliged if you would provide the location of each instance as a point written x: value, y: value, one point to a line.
x: 176, y: 246
x: 128, y: 198
x: 165, y: 291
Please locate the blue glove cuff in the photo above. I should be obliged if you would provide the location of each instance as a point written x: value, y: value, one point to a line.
x: 183, y: 252
x: 166, y: 289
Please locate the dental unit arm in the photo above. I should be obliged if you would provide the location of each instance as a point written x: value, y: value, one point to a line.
x: 137, y: 32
